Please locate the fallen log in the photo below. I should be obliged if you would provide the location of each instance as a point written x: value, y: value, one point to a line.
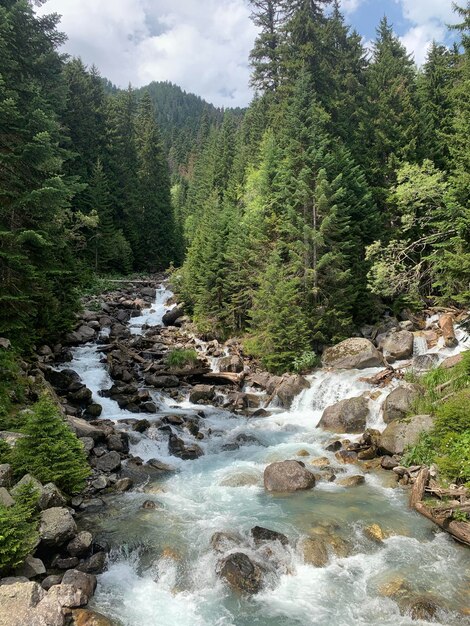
x: 382, y: 378
x: 225, y: 377
x: 417, y: 493
x: 459, y: 530
x: 440, y: 492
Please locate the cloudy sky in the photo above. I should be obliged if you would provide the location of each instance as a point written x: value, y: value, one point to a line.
x: 203, y: 45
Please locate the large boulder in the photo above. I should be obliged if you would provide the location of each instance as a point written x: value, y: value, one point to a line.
x: 425, y: 362
x: 289, y: 388
x: 241, y: 573
x: 6, y: 475
x: 16, y: 602
x: 288, y: 476
x: 173, y: 315
x: 399, y: 401
x: 162, y: 382
x: 57, y: 526
x: 84, y: 617
x: 202, y: 393
x: 109, y: 462
x: 86, y: 583
x: 232, y: 364
x: 354, y: 353
x: 177, y: 447
x: 396, y: 345
x: 82, y: 335
x: 347, y: 416
x: 446, y: 323
x: 400, y: 434
x: 84, y: 429
x: 61, y: 380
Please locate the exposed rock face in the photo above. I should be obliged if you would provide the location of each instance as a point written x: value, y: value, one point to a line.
x: 57, y: 526
x: 396, y: 345
x: 398, y: 435
x: 398, y: 402
x: 288, y: 476
x: 289, y: 388
x: 354, y: 353
x: 241, y: 573
x: 346, y: 416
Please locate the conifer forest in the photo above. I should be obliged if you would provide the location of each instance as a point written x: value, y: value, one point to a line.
x: 234, y: 341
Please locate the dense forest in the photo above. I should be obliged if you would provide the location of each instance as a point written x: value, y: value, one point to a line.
x: 340, y: 193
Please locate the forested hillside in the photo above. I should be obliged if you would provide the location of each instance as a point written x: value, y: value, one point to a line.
x: 343, y: 192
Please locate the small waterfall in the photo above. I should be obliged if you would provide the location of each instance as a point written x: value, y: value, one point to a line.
x: 420, y: 345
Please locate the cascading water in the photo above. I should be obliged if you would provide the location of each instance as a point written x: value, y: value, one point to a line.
x: 162, y: 570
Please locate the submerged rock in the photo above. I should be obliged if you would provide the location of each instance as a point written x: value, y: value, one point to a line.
x: 315, y: 551
x: 261, y: 534
x: 288, y: 476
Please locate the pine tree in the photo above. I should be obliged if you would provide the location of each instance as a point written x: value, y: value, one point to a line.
x: 265, y: 57
x: 50, y: 451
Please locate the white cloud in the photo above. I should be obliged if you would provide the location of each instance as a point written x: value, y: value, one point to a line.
x: 428, y: 19
x: 349, y: 6
x: 202, y: 45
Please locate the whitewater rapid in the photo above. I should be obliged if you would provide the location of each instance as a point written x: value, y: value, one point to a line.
x: 162, y: 570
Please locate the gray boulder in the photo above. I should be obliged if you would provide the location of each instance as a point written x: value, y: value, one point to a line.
x: 288, y: 476
x: 396, y: 345
x: 171, y: 316
x: 30, y: 568
x: 353, y: 353
x: 83, y: 429
x: 17, y: 601
x: 82, y: 335
x: 425, y: 362
x: 347, y: 416
x: 399, y: 401
x: 232, y: 364
x: 57, y: 526
x: 51, y: 497
x: 202, y: 393
x: 162, y: 382
x: 86, y: 583
x: 81, y: 544
x: 400, y: 434
x: 5, y: 498
x: 289, y: 388
x: 109, y: 462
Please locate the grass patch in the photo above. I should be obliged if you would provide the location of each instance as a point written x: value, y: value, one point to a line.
x: 180, y: 358
x: 446, y: 397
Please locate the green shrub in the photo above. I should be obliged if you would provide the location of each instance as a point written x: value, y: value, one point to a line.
x: 453, y: 458
x: 422, y: 453
x: 306, y: 362
x: 5, y: 452
x: 51, y: 452
x: 180, y: 358
x: 18, y: 529
x: 12, y: 388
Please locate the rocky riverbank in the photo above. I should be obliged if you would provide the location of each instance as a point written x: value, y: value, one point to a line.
x: 59, y: 577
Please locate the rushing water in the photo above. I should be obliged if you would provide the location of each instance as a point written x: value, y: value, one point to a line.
x: 162, y: 570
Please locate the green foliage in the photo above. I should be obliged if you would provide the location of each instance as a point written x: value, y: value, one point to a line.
x: 18, y: 529
x: 5, y: 451
x: 50, y: 451
x: 447, y: 396
x: 180, y: 358
x: 12, y: 387
x: 306, y: 362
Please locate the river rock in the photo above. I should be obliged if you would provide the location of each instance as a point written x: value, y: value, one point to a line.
x: 450, y: 361
x: 241, y: 479
x: 123, y: 484
x: 422, y: 609
x: 81, y: 544
x: 57, y: 526
x: 16, y: 602
x: 241, y: 573
x: 232, y: 364
x: 354, y: 353
x: 290, y: 388
x: 399, y: 434
x: 6, y: 475
x: 225, y: 541
x: 86, y: 583
x: 261, y: 534
x: 119, y: 442
x: 83, y: 429
x: 177, y: 447
x: 287, y: 476
x: 50, y: 581
x: 389, y: 462
x: 31, y: 567
x: 83, y: 334
x: 352, y: 481
x: 95, y: 564
x: 396, y: 345
x: 347, y: 416
x: 109, y: 462
x: 172, y: 316
x: 375, y: 533
x: 202, y: 393
x: 162, y: 382
x: 84, y: 617
x: 50, y: 497
x: 425, y: 362
x: 315, y: 551
x: 61, y: 380
x: 399, y: 401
